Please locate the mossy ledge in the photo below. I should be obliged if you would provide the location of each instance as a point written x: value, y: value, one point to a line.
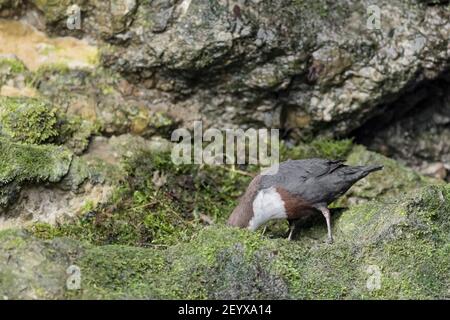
x: 38, y: 121
x: 20, y: 163
x: 405, y: 241
x: 27, y: 120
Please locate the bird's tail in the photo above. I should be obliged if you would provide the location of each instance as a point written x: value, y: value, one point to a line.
x: 373, y: 168
x: 360, y: 172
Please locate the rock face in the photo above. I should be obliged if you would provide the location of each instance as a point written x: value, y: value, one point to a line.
x: 396, y: 251
x: 293, y: 64
x: 308, y: 67
x: 27, y: 120
x: 86, y: 181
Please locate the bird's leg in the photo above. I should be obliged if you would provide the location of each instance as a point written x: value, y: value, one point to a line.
x: 264, y: 230
x: 326, y: 214
x: 291, y: 230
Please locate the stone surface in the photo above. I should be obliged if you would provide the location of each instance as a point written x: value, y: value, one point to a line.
x: 307, y: 67
x: 81, y: 183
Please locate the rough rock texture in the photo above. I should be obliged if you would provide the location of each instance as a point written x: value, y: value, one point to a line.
x: 305, y: 66
x: 313, y: 66
x: 415, y: 130
x: 404, y: 242
x: 394, y: 180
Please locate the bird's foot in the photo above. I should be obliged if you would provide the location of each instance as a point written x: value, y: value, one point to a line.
x: 330, y: 240
x: 264, y: 230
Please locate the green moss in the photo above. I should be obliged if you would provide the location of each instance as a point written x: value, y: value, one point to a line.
x: 231, y: 263
x: 13, y: 65
x: 45, y: 231
x: 36, y: 121
x: 407, y: 242
x: 54, y: 10
x: 20, y: 163
x: 120, y: 272
x: 28, y: 120
x: 158, y: 203
x: 183, y: 271
x: 75, y: 133
x: 405, y: 238
x: 319, y: 148
x: 399, y: 239
x: 33, y: 163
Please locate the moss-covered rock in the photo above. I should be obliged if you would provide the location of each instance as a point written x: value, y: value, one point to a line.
x: 155, y: 202
x: 397, y: 251
x: 21, y: 163
x: 27, y: 120
x: 317, y: 148
x: 11, y: 65
x: 37, y: 121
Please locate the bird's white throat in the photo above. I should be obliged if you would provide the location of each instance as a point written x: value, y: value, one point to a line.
x: 268, y: 205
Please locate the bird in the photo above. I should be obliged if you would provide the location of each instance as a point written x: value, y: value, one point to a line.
x: 296, y: 189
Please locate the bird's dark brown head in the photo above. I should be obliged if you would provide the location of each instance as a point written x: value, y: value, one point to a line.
x: 243, y: 213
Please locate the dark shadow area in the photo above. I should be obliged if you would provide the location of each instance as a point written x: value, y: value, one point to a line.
x: 415, y: 129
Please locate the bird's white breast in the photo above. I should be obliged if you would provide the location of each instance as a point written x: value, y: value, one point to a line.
x: 268, y: 205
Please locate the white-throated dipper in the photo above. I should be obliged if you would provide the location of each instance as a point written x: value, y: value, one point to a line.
x: 298, y: 188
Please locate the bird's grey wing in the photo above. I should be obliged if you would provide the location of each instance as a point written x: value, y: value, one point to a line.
x: 286, y: 173
x: 316, y: 167
x: 293, y: 175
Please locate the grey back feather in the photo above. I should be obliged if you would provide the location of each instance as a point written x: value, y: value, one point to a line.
x: 318, y: 181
